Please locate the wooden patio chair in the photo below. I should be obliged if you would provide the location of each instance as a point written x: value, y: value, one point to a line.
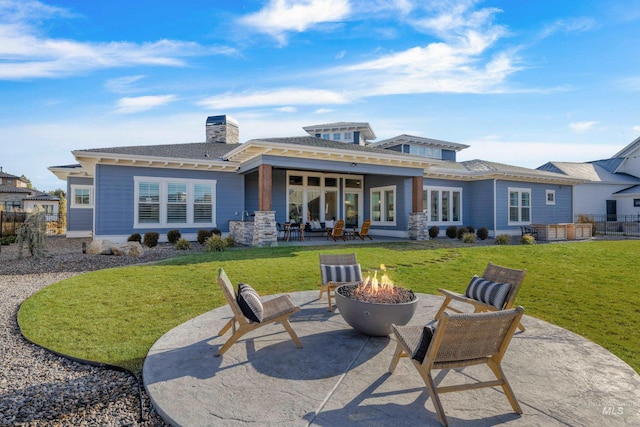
x: 492, y: 273
x: 275, y: 310
x: 459, y: 340
x: 336, y: 232
x: 364, y: 230
x: 340, y: 267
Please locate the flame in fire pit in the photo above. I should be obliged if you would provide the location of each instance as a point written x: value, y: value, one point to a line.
x: 373, y: 286
x: 380, y: 290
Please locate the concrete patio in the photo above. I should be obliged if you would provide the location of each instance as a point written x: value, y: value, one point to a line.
x: 340, y: 377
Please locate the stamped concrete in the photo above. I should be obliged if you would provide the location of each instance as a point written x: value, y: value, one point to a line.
x: 340, y: 377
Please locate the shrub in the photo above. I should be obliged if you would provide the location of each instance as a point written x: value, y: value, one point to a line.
x: 471, y: 229
x: 135, y: 237
x: 451, y: 231
x: 203, y: 235
x: 33, y: 232
x: 434, y: 231
x: 503, y: 239
x: 229, y: 242
x: 214, y: 244
x: 8, y: 240
x: 461, y: 231
x: 173, y: 236
x: 151, y: 238
x: 468, y: 238
x: 482, y: 233
x: 183, y: 245
x: 216, y: 232
x: 527, y: 239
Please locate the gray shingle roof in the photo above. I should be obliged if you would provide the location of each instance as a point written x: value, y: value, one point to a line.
x: 192, y: 151
x: 12, y: 189
x: 594, y: 171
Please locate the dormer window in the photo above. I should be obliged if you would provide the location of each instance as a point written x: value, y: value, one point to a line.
x: 325, y: 136
x: 336, y: 136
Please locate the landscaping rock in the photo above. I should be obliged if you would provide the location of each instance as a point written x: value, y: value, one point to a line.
x: 133, y: 249
x: 100, y: 247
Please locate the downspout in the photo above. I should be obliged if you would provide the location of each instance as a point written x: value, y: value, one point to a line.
x: 495, y: 207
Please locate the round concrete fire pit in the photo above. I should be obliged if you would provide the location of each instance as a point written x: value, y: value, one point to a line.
x: 373, y: 318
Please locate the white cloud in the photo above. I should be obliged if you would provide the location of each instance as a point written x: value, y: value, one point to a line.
x: 582, y: 127
x: 280, y: 17
x: 570, y: 25
x: 129, y: 105
x: 636, y: 129
x: 123, y: 84
x: 28, y: 54
x: 277, y: 97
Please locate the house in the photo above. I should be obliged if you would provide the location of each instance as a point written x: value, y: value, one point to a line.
x: 17, y: 196
x: 404, y: 185
x: 610, y: 188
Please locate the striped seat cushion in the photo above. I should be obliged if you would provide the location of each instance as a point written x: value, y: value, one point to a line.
x: 341, y: 273
x: 488, y: 292
x: 250, y: 303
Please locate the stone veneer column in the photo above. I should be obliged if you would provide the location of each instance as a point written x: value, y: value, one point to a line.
x: 418, y: 226
x: 265, y: 232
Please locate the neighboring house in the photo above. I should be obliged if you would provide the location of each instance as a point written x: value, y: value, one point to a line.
x: 404, y: 185
x: 16, y: 196
x: 611, y: 187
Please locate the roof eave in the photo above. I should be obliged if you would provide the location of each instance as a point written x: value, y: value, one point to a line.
x: 88, y: 159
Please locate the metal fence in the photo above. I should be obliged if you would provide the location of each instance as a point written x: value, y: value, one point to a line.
x: 612, y: 225
x: 11, y: 221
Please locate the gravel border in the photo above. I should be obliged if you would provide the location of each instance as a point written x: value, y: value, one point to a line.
x: 39, y: 388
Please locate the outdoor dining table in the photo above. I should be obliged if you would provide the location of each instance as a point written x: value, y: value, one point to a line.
x: 296, y: 230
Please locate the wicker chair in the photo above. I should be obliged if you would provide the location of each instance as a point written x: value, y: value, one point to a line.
x: 336, y: 232
x: 460, y: 340
x: 494, y: 273
x: 276, y: 310
x: 329, y: 286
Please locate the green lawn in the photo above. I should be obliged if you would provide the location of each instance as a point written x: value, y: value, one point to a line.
x: 114, y: 316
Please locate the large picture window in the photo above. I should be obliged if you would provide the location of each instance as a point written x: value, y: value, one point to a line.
x: 519, y: 206
x: 171, y: 202
x: 81, y: 196
x: 312, y: 197
x: 383, y: 203
x: 443, y: 205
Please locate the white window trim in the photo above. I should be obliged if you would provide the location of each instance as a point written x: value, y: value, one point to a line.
x: 451, y: 190
x: 164, y: 202
x: 322, y: 188
x: 383, y: 202
x: 546, y: 197
x: 75, y: 187
x: 519, y: 191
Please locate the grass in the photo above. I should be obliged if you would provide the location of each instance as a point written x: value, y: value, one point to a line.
x: 114, y: 316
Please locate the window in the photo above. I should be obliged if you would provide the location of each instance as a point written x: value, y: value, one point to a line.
x: 336, y: 136
x: 636, y: 203
x: 81, y: 196
x: 383, y: 202
x: 348, y: 136
x: 171, y: 202
x: 325, y: 136
x: 519, y: 206
x: 551, y: 197
x: 443, y: 204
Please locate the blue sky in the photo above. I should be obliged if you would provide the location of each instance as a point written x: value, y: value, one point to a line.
x: 521, y: 82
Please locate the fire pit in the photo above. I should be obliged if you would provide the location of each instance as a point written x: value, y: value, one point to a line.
x: 371, y: 307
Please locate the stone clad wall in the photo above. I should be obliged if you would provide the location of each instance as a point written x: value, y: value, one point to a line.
x: 418, y: 226
x: 265, y: 232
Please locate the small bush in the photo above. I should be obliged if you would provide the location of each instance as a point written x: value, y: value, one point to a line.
x: 503, y: 239
x: 151, y: 238
x: 135, y: 237
x: 482, y: 233
x: 229, y: 242
x: 214, y: 244
x: 468, y: 238
x: 434, y: 231
x: 471, y: 229
x: 173, y: 236
x: 451, y: 231
x: 216, y: 232
x: 461, y: 231
x: 203, y: 235
x: 183, y: 245
x: 8, y: 240
x: 527, y: 239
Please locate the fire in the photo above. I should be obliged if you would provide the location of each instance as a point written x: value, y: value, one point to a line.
x: 384, y: 285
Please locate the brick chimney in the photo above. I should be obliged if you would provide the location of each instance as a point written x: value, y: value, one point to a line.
x: 222, y: 129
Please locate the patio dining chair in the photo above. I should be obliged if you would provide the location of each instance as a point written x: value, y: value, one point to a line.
x: 458, y: 341
x: 337, y: 270
x: 251, y: 313
x: 495, y: 290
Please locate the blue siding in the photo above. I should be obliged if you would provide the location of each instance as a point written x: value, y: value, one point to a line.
x: 338, y: 167
x: 279, y: 194
x: 478, y: 204
x: 115, y: 197
x: 78, y: 219
x: 251, y: 192
x: 403, y: 199
x: 449, y: 155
